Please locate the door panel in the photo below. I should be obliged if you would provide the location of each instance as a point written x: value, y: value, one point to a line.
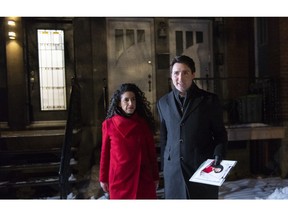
x: 193, y: 38
x: 35, y: 113
x: 131, y: 55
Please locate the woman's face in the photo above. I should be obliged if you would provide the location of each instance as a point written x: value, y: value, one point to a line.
x: 128, y: 102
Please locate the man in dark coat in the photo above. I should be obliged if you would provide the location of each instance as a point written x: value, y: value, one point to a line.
x: 191, y: 131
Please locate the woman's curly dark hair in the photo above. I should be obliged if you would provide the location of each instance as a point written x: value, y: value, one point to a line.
x: 143, y: 107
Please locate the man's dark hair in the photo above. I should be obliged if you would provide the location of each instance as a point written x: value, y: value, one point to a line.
x: 185, y: 60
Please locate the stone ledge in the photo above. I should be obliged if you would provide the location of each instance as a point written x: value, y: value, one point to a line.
x: 255, y: 133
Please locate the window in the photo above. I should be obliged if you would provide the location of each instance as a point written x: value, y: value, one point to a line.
x: 51, y: 70
x: 127, y: 38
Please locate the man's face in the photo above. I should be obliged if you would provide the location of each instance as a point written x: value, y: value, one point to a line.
x: 182, y: 77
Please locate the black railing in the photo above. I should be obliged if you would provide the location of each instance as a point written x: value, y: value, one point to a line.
x: 246, y: 100
x: 71, y: 124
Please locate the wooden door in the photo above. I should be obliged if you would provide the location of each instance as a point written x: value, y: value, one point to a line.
x: 131, y: 55
x: 38, y: 111
x: 193, y: 38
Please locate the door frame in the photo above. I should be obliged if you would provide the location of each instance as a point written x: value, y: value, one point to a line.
x: 31, y: 25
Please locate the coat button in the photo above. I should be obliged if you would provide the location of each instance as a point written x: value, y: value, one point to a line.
x: 181, y: 158
x: 181, y: 140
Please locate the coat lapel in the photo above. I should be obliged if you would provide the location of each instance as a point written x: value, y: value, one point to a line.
x: 125, y: 125
x: 191, y: 107
x: 196, y: 98
x: 172, y: 105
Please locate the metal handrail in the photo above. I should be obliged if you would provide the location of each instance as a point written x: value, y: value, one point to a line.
x: 71, y: 124
x: 256, y: 96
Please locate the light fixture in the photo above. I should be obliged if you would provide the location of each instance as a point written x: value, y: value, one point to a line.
x: 11, y: 23
x: 162, y: 30
x: 11, y: 29
x: 12, y: 35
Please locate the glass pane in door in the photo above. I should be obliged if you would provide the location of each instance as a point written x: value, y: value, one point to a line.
x: 51, y: 69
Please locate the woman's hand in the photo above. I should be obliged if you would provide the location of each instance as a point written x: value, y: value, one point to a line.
x: 104, y: 186
x: 156, y: 184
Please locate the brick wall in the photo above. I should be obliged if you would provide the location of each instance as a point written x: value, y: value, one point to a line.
x: 238, y: 49
x: 240, y: 62
x: 283, y: 39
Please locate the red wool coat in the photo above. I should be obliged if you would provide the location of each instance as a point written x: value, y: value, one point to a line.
x: 128, y: 160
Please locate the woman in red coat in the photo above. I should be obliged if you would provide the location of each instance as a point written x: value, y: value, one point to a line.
x: 128, y: 163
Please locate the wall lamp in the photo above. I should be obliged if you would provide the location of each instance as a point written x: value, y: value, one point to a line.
x: 11, y: 32
x: 12, y: 35
x: 162, y: 30
x: 11, y: 23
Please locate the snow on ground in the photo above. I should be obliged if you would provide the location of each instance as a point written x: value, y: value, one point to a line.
x: 258, y: 188
x: 261, y: 196
x: 255, y: 189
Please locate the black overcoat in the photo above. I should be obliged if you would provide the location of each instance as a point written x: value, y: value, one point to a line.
x: 189, y: 139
